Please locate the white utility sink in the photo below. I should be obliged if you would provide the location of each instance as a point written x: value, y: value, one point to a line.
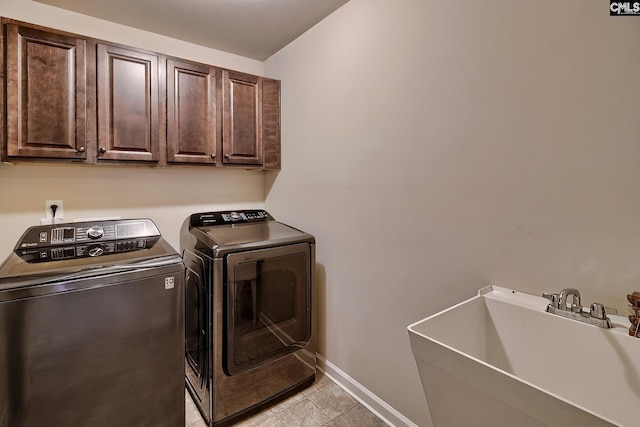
x: 500, y: 360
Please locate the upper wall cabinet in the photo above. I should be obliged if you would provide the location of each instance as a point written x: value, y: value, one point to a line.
x: 127, y: 104
x: 192, y: 113
x: 45, y: 94
x: 242, y: 110
x: 70, y: 97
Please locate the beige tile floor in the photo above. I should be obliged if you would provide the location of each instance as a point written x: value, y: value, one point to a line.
x: 324, y: 404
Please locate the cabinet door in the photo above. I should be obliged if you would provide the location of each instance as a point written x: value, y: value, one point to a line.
x: 192, y: 121
x: 242, y: 111
x: 127, y: 104
x: 46, y: 87
x: 271, y: 123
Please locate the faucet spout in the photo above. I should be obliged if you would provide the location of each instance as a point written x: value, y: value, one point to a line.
x: 575, y: 304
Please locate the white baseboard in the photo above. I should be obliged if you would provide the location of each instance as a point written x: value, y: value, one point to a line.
x: 373, y: 403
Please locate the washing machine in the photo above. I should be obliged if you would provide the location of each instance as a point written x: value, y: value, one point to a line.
x: 249, y: 310
x: 92, y: 327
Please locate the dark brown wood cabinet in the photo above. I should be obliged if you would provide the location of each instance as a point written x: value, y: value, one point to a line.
x: 242, y: 111
x: 71, y: 97
x: 127, y: 104
x: 271, y: 124
x: 45, y: 94
x: 193, y: 129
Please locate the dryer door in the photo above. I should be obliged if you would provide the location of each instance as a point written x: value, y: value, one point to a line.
x: 268, y: 305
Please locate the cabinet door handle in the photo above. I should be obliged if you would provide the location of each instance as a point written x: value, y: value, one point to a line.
x: 103, y: 150
x: 227, y: 156
x: 80, y: 149
x: 213, y: 156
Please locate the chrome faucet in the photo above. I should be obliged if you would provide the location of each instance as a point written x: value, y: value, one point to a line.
x: 597, y: 314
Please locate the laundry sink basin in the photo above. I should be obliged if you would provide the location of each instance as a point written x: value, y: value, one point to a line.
x: 499, y: 359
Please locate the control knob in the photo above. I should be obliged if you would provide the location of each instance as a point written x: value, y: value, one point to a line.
x: 234, y: 216
x: 96, y: 251
x: 95, y: 232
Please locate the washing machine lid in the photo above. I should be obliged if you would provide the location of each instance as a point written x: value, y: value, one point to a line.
x: 50, y: 253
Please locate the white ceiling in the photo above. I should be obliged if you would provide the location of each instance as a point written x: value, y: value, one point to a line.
x: 252, y: 28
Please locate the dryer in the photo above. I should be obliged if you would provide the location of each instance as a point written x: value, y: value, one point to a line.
x: 249, y: 310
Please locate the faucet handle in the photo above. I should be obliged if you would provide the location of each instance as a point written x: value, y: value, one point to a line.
x: 553, y: 298
x: 598, y: 311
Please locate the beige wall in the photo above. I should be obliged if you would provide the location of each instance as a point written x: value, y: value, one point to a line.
x: 166, y: 195
x: 433, y: 147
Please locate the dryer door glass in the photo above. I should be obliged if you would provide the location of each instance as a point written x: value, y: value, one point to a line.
x: 268, y: 305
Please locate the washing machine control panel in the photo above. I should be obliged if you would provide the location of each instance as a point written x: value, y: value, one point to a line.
x: 206, y: 219
x: 86, y: 239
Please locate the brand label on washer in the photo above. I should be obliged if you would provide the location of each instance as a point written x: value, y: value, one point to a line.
x: 169, y: 282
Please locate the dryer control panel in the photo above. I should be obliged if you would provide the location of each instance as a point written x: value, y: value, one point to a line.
x: 206, y: 219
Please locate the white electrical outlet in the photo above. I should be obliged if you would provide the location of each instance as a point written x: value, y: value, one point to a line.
x: 48, y: 211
